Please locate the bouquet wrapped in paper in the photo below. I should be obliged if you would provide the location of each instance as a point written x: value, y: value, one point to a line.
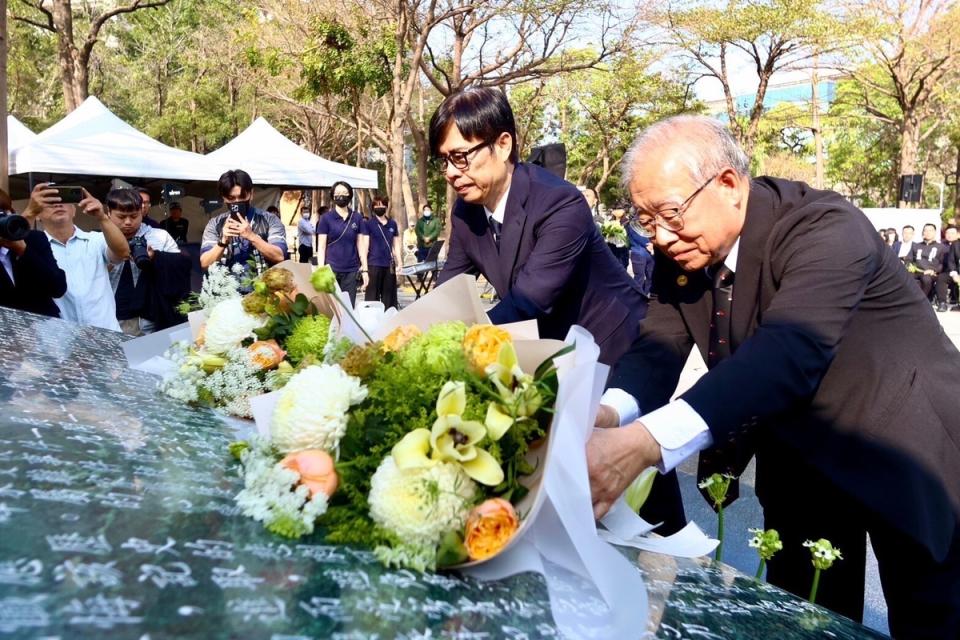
x: 242, y: 346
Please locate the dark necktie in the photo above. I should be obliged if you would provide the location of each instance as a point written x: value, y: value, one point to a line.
x: 495, y: 227
x: 720, y: 457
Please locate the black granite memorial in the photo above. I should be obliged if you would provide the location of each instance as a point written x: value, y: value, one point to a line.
x: 117, y: 520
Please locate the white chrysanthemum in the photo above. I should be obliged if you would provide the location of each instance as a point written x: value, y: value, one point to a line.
x: 311, y: 412
x: 420, y: 504
x: 228, y: 326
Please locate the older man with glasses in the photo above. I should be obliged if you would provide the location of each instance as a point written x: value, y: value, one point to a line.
x: 792, y: 299
x: 530, y: 233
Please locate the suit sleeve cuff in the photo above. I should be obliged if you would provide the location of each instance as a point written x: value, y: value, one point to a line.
x: 680, y: 432
x: 623, y: 403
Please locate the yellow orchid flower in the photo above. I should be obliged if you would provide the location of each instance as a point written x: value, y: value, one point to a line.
x: 517, y: 392
x: 411, y: 452
x: 454, y: 439
x: 497, y: 422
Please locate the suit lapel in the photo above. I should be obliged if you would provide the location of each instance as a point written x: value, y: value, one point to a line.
x: 756, y: 229
x: 514, y: 221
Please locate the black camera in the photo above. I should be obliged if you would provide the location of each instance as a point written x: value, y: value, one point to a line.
x: 13, y: 227
x: 138, y: 252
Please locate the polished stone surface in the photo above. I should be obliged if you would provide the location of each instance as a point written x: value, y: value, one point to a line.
x: 117, y: 521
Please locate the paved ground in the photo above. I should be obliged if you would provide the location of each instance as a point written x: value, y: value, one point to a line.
x: 746, y: 513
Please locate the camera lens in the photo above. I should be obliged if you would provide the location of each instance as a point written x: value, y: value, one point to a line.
x: 13, y: 227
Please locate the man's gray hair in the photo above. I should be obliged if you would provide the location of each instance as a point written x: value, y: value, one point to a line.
x: 705, y: 146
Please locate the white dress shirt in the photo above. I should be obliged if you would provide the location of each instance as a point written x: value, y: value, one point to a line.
x: 7, y: 263
x: 89, y: 297
x: 676, y: 426
x: 501, y: 209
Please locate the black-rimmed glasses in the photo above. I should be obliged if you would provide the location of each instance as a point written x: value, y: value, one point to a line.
x: 459, y: 159
x: 672, y: 219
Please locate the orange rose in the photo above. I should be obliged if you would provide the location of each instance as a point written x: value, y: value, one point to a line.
x: 399, y: 337
x: 482, y: 345
x: 266, y: 354
x: 316, y: 470
x: 489, y: 528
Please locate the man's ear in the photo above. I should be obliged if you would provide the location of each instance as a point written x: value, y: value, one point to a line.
x: 504, y: 145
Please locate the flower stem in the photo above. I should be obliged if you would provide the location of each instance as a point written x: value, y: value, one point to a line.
x: 816, y: 585
x: 346, y: 308
x: 763, y: 564
x: 719, y: 554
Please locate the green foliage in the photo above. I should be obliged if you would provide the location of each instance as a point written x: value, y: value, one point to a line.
x: 339, y: 62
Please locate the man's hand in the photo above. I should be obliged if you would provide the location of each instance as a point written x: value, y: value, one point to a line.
x: 91, y: 206
x: 18, y: 247
x: 929, y: 272
x: 614, y: 458
x: 366, y: 278
x: 607, y: 418
x: 42, y: 196
x: 244, y: 230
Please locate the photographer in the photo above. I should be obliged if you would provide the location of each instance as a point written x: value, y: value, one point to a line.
x: 83, y: 255
x: 243, y: 232
x: 155, y: 278
x: 30, y: 278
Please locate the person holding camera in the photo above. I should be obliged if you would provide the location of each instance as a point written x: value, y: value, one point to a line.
x: 383, y: 254
x: 83, y: 255
x: 30, y: 278
x: 243, y: 233
x: 340, y: 240
x: 155, y: 278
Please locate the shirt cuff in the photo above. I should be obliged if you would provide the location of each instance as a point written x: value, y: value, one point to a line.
x: 623, y: 403
x: 680, y: 432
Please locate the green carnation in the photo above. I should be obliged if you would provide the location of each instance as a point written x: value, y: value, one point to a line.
x: 439, y: 350
x: 309, y: 337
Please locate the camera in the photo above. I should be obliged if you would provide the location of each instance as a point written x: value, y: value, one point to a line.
x: 138, y: 252
x: 13, y: 227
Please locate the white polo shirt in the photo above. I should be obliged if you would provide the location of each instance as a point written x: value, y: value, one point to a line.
x: 89, y: 298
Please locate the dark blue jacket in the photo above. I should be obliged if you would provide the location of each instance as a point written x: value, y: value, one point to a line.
x: 38, y: 279
x: 552, y: 264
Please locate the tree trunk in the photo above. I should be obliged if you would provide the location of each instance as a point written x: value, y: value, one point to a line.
x: 409, y: 202
x: 66, y: 53
x: 909, y: 148
x: 815, y: 125
x: 421, y: 153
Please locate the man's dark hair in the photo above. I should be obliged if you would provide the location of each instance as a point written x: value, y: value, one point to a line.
x: 951, y: 226
x: 426, y: 206
x: 273, y: 209
x: 234, y: 178
x: 480, y: 114
x: 144, y: 191
x: 124, y: 200
x: 931, y: 225
x: 909, y: 226
x: 338, y: 183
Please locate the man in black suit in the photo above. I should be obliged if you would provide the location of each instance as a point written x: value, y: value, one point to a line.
x: 29, y: 276
x: 793, y: 299
x: 947, y: 278
x: 530, y: 233
x: 926, y: 259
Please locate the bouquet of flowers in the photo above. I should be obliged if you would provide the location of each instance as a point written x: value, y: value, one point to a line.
x: 247, y: 345
x: 422, y: 446
x: 614, y: 233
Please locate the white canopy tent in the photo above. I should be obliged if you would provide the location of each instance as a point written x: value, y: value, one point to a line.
x: 272, y: 159
x: 17, y: 134
x: 92, y: 141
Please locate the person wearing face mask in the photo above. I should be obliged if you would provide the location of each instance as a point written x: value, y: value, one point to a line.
x: 428, y: 230
x: 383, y: 254
x: 306, y: 236
x: 340, y: 240
x: 242, y: 233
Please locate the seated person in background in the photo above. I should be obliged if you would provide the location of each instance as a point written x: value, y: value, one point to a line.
x: 176, y: 225
x: 83, y: 256
x: 949, y: 278
x: 243, y: 232
x: 926, y: 259
x: 30, y: 278
x: 147, y: 203
x: 906, y: 243
x: 149, y: 284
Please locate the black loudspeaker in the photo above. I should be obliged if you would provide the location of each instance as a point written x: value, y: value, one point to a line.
x: 911, y: 187
x: 552, y: 157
